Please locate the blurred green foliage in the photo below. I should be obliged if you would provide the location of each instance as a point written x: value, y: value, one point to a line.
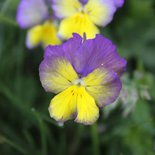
x: 25, y: 125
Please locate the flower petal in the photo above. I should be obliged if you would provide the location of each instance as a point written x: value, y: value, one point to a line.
x: 119, y: 3
x: 42, y: 34
x: 63, y: 105
x: 103, y: 85
x: 100, y: 12
x: 64, y: 8
x: 98, y: 52
x: 74, y: 100
x: 50, y: 34
x: 56, y: 74
x: 66, y: 49
x: 78, y: 23
x: 87, y: 111
x: 31, y: 12
x: 34, y: 36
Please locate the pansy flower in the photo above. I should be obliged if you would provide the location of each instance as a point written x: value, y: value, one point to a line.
x: 33, y: 14
x: 85, y: 75
x: 83, y: 16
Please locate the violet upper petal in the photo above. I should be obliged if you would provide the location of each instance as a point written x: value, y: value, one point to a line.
x: 31, y: 12
x: 66, y: 50
x: 98, y: 52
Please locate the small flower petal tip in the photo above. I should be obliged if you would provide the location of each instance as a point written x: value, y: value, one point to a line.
x: 85, y: 75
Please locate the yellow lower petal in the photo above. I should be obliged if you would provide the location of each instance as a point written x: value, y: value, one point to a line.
x: 49, y: 36
x: 74, y: 100
x: 63, y: 105
x: 79, y: 23
x: 34, y: 36
x: 87, y: 111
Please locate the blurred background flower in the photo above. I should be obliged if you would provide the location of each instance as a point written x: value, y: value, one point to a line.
x: 35, y: 15
x: 125, y: 127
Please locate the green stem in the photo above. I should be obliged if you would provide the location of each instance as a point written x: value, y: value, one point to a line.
x: 95, y: 140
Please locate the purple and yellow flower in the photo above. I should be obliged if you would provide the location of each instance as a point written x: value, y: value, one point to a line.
x: 83, y: 16
x: 33, y: 14
x: 85, y: 75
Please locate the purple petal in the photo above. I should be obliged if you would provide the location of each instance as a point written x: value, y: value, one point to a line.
x: 98, y: 52
x: 66, y: 50
x: 119, y: 3
x: 50, y: 76
x: 83, y: 1
x: 88, y: 55
x: 31, y: 12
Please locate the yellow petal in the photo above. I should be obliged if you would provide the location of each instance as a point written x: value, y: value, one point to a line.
x: 93, y: 82
x: 103, y: 86
x: 45, y: 34
x: 87, y: 111
x: 99, y: 12
x: 66, y: 8
x: 73, y: 100
x: 79, y: 23
x: 57, y: 75
x: 94, y: 78
x: 34, y: 36
x: 63, y: 105
x: 49, y: 34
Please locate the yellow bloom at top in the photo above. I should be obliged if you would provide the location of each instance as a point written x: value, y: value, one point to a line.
x: 44, y: 34
x: 79, y: 23
x: 83, y: 16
